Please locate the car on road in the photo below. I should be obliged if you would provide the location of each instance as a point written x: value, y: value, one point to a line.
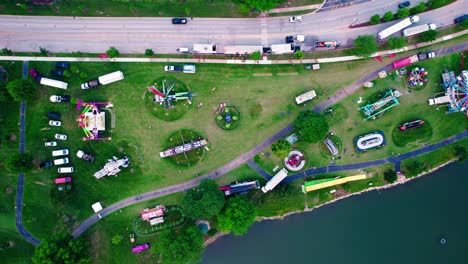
x: 295, y: 19
x: 50, y: 143
x: 404, y: 4
x: 55, y: 123
x: 179, y: 20
x: 460, y: 19
x: 46, y: 164
x: 172, y: 68
x: 290, y: 39
x: 61, y: 136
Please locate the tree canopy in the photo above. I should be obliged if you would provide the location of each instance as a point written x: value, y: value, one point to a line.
x: 203, y: 201
x: 66, y: 251
x: 112, y: 52
x: 183, y: 246
x: 20, y: 162
x: 364, y: 46
x: 390, y: 176
x: 375, y: 19
x: 261, y: 5
x: 387, y: 17
x: 403, y: 12
x: 237, y: 216
x: 429, y: 35
x: 312, y: 125
x: 256, y: 55
x: 396, y: 42
x: 281, y: 148
x: 21, y: 89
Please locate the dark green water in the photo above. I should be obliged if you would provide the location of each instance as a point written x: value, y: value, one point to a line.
x: 399, y: 225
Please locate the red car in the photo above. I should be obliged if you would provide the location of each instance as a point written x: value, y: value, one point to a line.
x: 35, y: 74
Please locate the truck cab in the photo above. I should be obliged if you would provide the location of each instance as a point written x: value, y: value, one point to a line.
x: 90, y: 84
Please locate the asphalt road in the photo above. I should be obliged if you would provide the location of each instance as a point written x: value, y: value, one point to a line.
x: 134, y: 35
x: 247, y: 156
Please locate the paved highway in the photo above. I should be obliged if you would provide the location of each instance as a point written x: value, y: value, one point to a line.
x: 134, y: 35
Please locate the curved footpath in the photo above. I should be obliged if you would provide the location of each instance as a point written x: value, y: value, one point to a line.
x: 245, y: 157
x: 20, y: 185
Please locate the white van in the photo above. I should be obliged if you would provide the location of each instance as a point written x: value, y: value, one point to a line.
x: 183, y: 50
x: 65, y: 170
x: 54, y: 83
x: 61, y: 161
x: 60, y: 152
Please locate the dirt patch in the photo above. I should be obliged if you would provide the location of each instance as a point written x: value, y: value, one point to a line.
x: 97, y: 242
x: 287, y: 73
x: 9, y: 190
x: 340, y: 193
x: 262, y: 74
x: 40, y: 183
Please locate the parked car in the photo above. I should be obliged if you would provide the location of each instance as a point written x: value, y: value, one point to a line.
x: 65, y: 170
x: 461, y: 19
x: 62, y: 180
x: 54, y: 115
x: 404, y: 4
x: 50, y: 143
x: 62, y: 65
x: 59, y: 73
x: 46, y: 164
x: 172, y: 68
x: 35, y: 74
x: 61, y: 161
x: 61, y: 136
x: 55, y: 123
x: 60, y: 152
x: 189, y: 68
x: 295, y: 19
x: 183, y: 50
x: 179, y: 20
x: 60, y: 98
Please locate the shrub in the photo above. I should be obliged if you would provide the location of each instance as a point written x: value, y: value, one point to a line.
x: 375, y: 19
x: 256, y: 55
x: 437, y: 3
x: 281, y: 148
x: 421, y: 7
x: 429, y: 35
x: 299, y: 54
x: 389, y: 16
x: 364, y: 46
x: 43, y: 51
x: 149, y: 52
x: 390, y: 176
x: 112, y: 52
x: 403, y: 13
x: 396, y: 42
x: 7, y: 52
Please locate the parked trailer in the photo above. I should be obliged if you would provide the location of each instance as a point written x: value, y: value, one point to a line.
x: 440, y: 100
x: 412, y: 59
x: 271, y: 184
x: 306, y: 97
x: 397, y: 27
x: 204, y: 48
x: 418, y: 29
x: 327, y: 44
x: 282, y: 48
x: 103, y: 80
x: 241, y: 50
x: 54, y: 83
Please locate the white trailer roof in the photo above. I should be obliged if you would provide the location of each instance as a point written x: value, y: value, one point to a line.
x: 242, y: 49
x: 204, y: 48
x: 53, y: 83
x: 97, y: 207
x: 111, y: 77
x: 282, y: 48
x: 271, y: 184
x: 305, y: 97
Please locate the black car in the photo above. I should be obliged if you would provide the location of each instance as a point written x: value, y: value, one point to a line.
x: 461, y: 19
x: 289, y: 39
x: 404, y: 4
x: 46, y: 164
x: 179, y: 20
x: 62, y: 65
x: 59, y: 73
x: 53, y: 115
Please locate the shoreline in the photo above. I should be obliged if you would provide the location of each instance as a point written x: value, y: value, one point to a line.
x: 306, y: 210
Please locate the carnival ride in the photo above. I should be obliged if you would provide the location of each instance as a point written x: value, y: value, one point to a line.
x: 417, y: 77
x: 314, y: 185
x: 369, y: 141
x: 411, y: 125
x: 389, y: 100
x: 295, y: 160
x: 92, y: 120
x: 167, y: 95
x: 456, y: 92
x: 112, y: 167
x: 140, y: 248
x: 184, y: 148
x: 242, y: 187
x: 331, y: 146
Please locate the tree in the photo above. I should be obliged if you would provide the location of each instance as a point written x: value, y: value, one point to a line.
x: 66, y: 251
x: 21, y: 89
x: 112, y: 52
x: 433, y: 4
x: 364, y: 46
x: 389, y: 16
x: 396, y: 42
x: 419, y: 8
x: 313, y: 126
x: 299, y: 54
x: 187, y: 10
x: 244, y: 9
x: 281, y: 148
x: 7, y: 52
x: 149, y: 52
x: 117, y: 239
x: 375, y: 19
x: 256, y: 55
x: 429, y: 35
x: 184, y: 246
x: 414, y: 168
x: 203, y: 201
x: 20, y: 162
x: 403, y: 12
x: 43, y: 51
x: 237, y: 216
x: 390, y: 176
x: 460, y: 153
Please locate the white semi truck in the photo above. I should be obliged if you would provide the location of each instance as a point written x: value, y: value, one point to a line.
x: 271, y: 184
x: 418, y: 29
x: 439, y: 100
x: 397, y: 27
x: 103, y: 80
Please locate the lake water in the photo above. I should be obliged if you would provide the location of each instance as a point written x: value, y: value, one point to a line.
x: 403, y: 224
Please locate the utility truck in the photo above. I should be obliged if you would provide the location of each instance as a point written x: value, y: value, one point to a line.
x: 412, y: 59
x: 82, y: 155
x: 397, y: 27
x: 271, y: 184
x: 60, y: 98
x: 327, y: 44
x: 418, y: 29
x: 103, y: 80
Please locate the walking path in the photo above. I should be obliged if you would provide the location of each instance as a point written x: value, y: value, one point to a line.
x: 247, y: 156
x: 20, y: 187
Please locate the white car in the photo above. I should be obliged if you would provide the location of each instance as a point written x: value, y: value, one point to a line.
x: 295, y: 19
x: 50, y: 143
x: 61, y: 136
x: 55, y: 123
